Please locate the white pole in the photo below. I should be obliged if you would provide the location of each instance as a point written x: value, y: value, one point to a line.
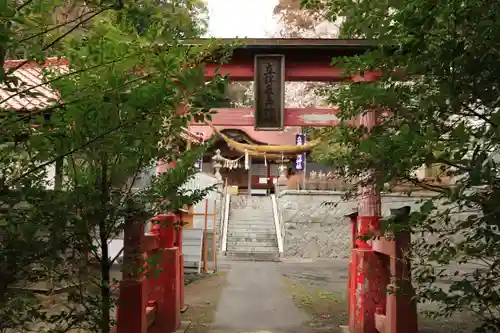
x: 305, y: 158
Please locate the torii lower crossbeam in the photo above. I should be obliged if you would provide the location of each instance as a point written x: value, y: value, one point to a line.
x: 293, y: 117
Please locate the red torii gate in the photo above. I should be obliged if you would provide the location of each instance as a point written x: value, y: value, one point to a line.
x: 305, y: 60
x: 371, y: 310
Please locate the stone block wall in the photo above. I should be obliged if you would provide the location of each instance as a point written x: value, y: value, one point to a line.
x: 315, y: 230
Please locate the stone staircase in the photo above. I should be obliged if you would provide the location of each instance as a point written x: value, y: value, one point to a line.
x: 251, y: 234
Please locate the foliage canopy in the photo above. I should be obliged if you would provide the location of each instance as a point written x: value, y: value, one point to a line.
x: 440, y: 80
x: 128, y: 74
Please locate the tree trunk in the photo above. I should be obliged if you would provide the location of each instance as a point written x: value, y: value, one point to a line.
x: 105, y: 282
x: 103, y: 237
x: 58, y: 179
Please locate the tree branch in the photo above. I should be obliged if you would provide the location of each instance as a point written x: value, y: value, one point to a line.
x: 43, y: 32
x: 55, y: 41
x: 62, y: 105
x: 63, y: 76
x: 430, y: 187
x: 24, y: 4
x: 72, y: 151
x: 474, y: 113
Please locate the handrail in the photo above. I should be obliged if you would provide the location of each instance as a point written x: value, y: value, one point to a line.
x: 227, y: 202
x: 277, y: 224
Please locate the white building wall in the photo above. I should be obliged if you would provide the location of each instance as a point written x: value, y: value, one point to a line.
x: 200, y: 181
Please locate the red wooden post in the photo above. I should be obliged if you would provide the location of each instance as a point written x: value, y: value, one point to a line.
x: 214, y: 239
x: 205, y: 239
x: 350, y: 281
x: 163, y: 281
x: 171, y: 297
x: 131, y: 311
x: 178, y: 243
x: 165, y: 224
x: 167, y: 316
x: 155, y: 273
x: 401, y: 311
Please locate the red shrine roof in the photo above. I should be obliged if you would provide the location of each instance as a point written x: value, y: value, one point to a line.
x: 30, y: 78
x: 286, y: 137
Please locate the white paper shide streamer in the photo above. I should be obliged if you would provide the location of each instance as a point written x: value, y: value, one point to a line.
x: 231, y: 164
x: 247, y: 162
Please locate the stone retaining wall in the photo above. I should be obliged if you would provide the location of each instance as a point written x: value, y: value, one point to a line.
x: 315, y: 230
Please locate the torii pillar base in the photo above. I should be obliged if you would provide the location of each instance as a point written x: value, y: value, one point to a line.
x: 368, y: 293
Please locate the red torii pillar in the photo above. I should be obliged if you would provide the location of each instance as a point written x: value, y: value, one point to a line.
x: 367, y: 267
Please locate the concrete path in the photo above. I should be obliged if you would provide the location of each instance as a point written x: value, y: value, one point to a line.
x: 254, y: 299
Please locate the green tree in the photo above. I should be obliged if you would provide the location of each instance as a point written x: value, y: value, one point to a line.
x: 440, y: 80
x: 128, y: 73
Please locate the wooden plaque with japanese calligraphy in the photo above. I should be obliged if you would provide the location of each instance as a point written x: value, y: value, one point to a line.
x: 269, y: 95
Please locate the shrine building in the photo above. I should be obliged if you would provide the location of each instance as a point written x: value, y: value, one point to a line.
x: 269, y: 63
x: 246, y: 174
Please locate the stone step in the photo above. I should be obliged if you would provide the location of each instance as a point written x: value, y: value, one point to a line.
x: 259, y: 233
x: 262, y: 209
x: 243, y: 238
x: 253, y: 213
x: 257, y: 203
x: 251, y: 198
x: 257, y: 226
x: 245, y: 256
x: 248, y: 232
x: 256, y: 230
x: 253, y: 240
x: 231, y: 244
x: 247, y: 221
x: 253, y: 248
x: 236, y: 241
x: 247, y: 229
x: 251, y: 234
x: 251, y: 217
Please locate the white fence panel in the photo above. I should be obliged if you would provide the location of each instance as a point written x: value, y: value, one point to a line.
x: 200, y: 181
x: 192, y: 243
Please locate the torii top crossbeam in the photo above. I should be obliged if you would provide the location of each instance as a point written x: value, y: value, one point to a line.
x: 306, y: 59
x: 299, y: 60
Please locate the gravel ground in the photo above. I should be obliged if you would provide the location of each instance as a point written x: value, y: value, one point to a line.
x: 320, y: 288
